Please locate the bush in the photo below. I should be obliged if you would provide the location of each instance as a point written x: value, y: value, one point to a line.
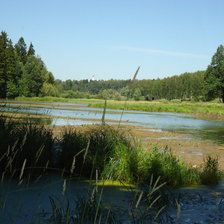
x: 49, y: 90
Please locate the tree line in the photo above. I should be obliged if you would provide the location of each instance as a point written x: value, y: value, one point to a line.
x: 23, y: 73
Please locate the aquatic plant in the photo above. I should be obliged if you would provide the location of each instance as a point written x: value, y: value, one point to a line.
x: 24, y: 146
x: 90, y: 149
x: 166, y: 165
x: 211, y: 173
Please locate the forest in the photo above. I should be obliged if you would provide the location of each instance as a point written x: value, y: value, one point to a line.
x: 24, y: 73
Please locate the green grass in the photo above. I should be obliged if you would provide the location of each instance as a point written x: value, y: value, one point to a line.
x: 89, y: 150
x: 24, y: 147
x: 53, y: 99
x: 210, y: 174
x: 115, y: 157
x: 137, y: 166
x: 202, y: 108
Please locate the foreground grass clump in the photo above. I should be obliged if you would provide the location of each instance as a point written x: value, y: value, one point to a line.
x: 145, y: 206
x: 24, y: 146
x: 138, y: 166
x: 169, y: 167
x: 90, y: 149
x: 115, y: 157
x: 210, y: 173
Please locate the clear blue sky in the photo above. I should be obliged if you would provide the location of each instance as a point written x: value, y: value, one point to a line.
x: 111, y: 38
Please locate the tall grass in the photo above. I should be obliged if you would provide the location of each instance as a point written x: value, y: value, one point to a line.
x: 100, y: 148
x: 137, y: 166
x: 115, y: 157
x: 210, y: 174
x: 24, y: 146
x: 90, y: 149
x: 169, y: 167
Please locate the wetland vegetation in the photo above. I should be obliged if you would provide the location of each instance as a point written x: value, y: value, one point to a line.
x: 31, y: 151
x: 99, y: 152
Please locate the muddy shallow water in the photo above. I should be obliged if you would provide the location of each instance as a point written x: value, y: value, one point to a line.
x: 78, y: 114
x: 23, y: 203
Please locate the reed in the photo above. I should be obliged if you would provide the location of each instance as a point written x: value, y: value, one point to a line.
x: 24, y: 142
x: 211, y: 173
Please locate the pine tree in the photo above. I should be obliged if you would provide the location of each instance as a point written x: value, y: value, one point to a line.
x: 3, y: 44
x: 31, y: 51
x: 21, y: 50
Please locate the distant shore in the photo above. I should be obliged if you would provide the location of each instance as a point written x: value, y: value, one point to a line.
x: 203, y: 110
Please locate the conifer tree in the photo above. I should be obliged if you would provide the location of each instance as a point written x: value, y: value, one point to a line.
x: 21, y: 50
x: 31, y: 51
x: 3, y: 67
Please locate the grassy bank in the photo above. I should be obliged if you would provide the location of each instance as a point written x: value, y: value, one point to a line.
x: 209, y: 110
x: 53, y: 99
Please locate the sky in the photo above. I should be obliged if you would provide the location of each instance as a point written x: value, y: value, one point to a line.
x: 111, y: 38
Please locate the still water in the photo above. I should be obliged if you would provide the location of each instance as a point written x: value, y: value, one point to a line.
x: 31, y: 203
x: 80, y: 114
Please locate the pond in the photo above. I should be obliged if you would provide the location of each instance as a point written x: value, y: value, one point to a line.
x: 42, y: 202
x: 79, y: 114
x: 22, y: 203
x: 32, y: 203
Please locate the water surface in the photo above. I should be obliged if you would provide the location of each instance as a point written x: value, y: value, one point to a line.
x: 178, y: 123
